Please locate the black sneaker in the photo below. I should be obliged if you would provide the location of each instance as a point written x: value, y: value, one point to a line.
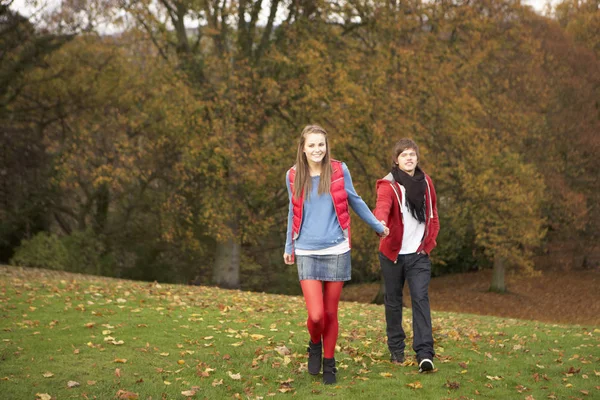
x: 426, y: 365
x: 397, y: 357
x: 315, y: 350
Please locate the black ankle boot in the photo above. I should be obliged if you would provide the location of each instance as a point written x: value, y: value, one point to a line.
x: 329, y: 371
x: 315, y: 350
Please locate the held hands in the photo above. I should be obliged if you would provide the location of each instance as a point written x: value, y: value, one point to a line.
x: 386, y: 231
x: 288, y: 258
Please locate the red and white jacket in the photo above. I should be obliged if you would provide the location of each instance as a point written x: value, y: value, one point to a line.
x: 388, y: 209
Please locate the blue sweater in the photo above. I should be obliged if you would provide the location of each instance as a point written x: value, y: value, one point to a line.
x: 320, y: 228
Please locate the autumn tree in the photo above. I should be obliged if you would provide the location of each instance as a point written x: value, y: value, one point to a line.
x: 170, y: 139
x: 571, y: 69
x: 24, y: 167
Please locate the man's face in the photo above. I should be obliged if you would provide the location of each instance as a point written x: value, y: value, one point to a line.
x: 407, y: 161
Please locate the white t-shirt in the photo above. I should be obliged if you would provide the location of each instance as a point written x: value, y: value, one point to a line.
x: 338, y: 249
x: 413, y: 229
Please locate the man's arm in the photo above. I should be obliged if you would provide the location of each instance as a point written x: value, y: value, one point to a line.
x: 385, y: 198
x: 434, y: 222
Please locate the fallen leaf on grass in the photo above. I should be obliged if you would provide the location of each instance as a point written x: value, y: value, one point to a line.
x: 72, y: 384
x: 217, y: 382
x: 120, y: 360
x: 521, y: 388
x: 126, y: 395
x: 386, y: 374
x: 257, y: 336
x: 415, y: 385
x: 286, y: 386
x: 48, y: 374
x: 283, y: 350
x: 233, y: 376
x: 494, y: 378
x: 189, y: 393
x: 43, y: 396
x: 116, y: 343
x: 205, y: 373
x: 452, y: 385
x: 118, y: 372
x: 572, y: 371
x: 167, y: 383
x: 91, y: 383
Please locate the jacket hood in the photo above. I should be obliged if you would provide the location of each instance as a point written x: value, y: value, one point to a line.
x: 386, y: 179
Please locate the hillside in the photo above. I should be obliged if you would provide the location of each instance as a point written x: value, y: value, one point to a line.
x: 570, y: 297
x: 75, y: 336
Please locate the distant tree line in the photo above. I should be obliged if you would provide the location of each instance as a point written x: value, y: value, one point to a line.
x: 159, y: 152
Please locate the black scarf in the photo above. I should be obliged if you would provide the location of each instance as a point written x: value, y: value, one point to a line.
x: 415, y: 187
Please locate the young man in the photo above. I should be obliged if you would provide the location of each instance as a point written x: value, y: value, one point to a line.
x: 406, y: 202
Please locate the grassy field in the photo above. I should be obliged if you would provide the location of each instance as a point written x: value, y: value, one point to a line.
x: 71, y: 336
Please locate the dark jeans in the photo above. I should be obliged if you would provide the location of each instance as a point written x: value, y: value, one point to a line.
x: 416, y: 269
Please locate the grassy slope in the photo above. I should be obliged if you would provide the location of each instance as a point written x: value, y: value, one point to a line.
x: 231, y: 344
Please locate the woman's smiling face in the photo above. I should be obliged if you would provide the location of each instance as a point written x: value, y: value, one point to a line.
x: 315, y: 147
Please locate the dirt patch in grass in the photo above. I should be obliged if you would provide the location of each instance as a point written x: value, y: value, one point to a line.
x: 571, y: 297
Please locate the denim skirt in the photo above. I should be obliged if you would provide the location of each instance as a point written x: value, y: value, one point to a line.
x: 324, y: 268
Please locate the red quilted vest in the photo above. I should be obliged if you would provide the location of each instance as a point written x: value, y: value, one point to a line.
x: 338, y: 195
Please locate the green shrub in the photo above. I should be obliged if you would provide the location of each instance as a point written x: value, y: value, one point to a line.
x: 82, y: 251
x: 86, y: 252
x: 44, y: 250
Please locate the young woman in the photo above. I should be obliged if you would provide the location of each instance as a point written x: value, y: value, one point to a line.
x: 318, y: 235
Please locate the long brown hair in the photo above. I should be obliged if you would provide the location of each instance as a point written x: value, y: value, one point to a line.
x: 302, y: 182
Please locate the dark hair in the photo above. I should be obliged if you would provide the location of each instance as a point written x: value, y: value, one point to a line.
x: 402, y: 145
x: 302, y: 182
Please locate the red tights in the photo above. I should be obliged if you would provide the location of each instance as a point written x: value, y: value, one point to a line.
x: 322, y: 299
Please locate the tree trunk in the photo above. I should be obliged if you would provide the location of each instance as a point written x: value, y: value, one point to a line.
x: 102, y: 203
x: 380, y: 294
x: 226, y: 271
x: 498, y: 284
